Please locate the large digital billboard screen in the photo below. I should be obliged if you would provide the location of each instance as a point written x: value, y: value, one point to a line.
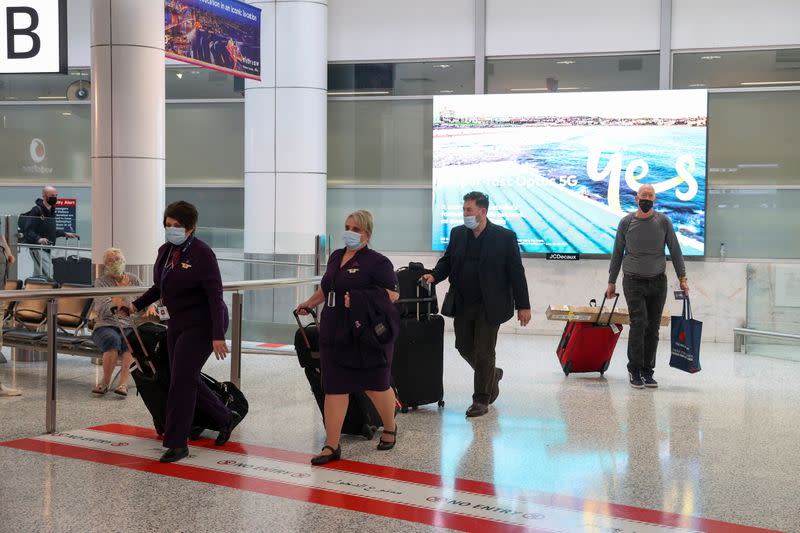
x: 223, y: 35
x: 562, y: 169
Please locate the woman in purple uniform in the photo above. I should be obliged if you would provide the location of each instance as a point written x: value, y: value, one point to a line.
x: 186, y: 279
x: 358, y: 326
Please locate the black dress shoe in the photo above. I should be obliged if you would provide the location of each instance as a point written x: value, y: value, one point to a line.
x: 498, y: 375
x: 225, y: 434
x: 335, y: 455
x: 174, y: 454
x: 477, y: 409
x: 385, y: 444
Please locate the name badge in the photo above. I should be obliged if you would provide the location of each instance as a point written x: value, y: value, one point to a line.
x: 163, y: 314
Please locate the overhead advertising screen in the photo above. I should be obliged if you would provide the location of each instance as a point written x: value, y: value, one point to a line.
x: 33, y: 36
x: 223, y: 35
x: 562, y: 169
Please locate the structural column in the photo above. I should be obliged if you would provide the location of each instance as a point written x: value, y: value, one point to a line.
x: 286, y: 143
x: 127, y: 51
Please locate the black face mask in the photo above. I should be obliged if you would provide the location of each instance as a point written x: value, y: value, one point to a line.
x: 645, y: 205
x: 53, y: 200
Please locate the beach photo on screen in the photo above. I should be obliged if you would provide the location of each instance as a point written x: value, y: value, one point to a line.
x: 562, y: 169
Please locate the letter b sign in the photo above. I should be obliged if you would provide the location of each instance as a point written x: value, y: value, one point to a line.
x: 33, y: 36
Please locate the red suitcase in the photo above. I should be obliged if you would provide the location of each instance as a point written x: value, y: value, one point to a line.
x: 588, y: 346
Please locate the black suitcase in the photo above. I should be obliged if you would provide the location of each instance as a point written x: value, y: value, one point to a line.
x: 410, y: 290
x: 73, y: 269
x: 148, y: 343
x: 418, y: 363
x: 362, y: 419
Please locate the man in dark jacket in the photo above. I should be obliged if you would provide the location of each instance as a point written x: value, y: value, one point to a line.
x: 487, y: 282
x: 39, y: 228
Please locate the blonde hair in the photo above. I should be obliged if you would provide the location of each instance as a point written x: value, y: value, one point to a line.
x: 362, y: 219
x: 113, y: 252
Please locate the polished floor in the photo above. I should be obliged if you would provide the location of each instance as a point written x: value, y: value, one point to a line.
x: 721, y: 444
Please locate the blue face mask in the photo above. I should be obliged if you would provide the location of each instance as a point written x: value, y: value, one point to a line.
x: 471, y: 222
x: 352, y: 240
x: 176, y: 236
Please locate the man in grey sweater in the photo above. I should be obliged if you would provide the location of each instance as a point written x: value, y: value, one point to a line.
x: 639, y: 250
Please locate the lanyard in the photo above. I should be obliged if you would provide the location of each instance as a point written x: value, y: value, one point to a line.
x: 167, y: 267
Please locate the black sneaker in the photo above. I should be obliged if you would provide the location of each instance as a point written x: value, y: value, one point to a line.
x: 636, y: 381
x: 649, y: 382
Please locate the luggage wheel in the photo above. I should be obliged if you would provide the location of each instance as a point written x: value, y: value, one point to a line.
x: 368, y: 431
x: 404, y: 409
x: 196, y: 432
x: 567, y: 368
x: 440, y: 403
x: 605, y: 367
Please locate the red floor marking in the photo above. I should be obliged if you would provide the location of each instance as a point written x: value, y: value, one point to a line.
x: 271, y: 345
x: 373, y: 506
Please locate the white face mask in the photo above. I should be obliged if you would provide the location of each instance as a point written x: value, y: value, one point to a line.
x: 352, y: 240
x: 471, y: 221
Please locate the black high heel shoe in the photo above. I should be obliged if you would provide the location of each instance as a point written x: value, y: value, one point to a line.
x: 386, y: 445
x: 325, y: 459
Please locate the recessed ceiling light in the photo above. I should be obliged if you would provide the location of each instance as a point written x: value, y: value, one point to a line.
x: 697, y: 85
x: 179, y: 75
x: 709, y: 58
x: 566, y: 62
x: 442, y: 65
x: 528, y: 89
x: 446, y: 91
x: 67, y: 114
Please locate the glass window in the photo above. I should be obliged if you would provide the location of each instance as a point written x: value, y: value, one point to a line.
x: 753, y: 138
x: 205, y: 143
x: 44, y: 87
x: 195, y: 83
x: 751, y: 68
x: 380, y: 142
x: 597, y: 73
x: 754, y: 223
x: 45, y: 143
x: 402, y: 217
x: 221, y: 213
x: 401, y: 79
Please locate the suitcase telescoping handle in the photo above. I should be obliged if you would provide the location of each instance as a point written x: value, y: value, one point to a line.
x: 300, y: 325
x: 135, y: 327
x: 611, y: 314
x: 420, y: 300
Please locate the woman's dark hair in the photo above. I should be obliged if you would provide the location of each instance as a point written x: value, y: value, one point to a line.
x: 480, y: 199
x: 183, y: 212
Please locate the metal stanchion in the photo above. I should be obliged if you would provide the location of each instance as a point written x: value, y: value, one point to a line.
x: 236, y: 339
x: 52, y: 360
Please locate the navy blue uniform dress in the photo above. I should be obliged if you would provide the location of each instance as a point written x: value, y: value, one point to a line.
x: 188, y: 282
x: 339, y: 351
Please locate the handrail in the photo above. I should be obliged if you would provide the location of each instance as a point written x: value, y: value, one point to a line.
x: 739, y: 333
x: 53, y: 247
x: 54, y: 295
x: 94, y: 292
x: 263, y: 262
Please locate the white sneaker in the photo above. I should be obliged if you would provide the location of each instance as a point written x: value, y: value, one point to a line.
x: 6, y: 391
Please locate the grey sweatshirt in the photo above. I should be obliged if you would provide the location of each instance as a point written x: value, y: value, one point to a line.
x: 639, y: 247
x: 103, y: 305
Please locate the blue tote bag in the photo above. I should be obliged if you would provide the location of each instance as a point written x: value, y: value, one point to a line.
x: 686, y: 334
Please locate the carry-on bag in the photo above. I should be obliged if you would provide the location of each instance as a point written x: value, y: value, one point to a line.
x: 73, y: 269
x: 588, y: 346
x: 418, y: 361
x: 685, y: 340
x: 362, y: 418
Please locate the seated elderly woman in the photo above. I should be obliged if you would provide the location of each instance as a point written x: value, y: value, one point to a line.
x: 106, y: 334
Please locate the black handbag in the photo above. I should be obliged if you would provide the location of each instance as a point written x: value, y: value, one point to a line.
x: 449, y: 303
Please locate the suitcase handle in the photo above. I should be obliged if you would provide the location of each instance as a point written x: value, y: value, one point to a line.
x: 613, y: 307
x: 300, y: 325
x: 135, y: 328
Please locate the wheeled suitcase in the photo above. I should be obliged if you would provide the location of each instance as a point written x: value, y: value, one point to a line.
x: 588, y: 346
x: 73, y: 269
x: 418, y: 362
x: 410, y: 288
x: 362, y: 418
x: 148, y: 344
